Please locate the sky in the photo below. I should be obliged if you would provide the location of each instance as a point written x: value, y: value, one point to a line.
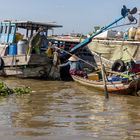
x: 76, y: 16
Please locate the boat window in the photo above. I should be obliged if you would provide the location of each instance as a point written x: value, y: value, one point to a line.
x: 10, y: 30
x: 1, y: 29
x: 6, y: 29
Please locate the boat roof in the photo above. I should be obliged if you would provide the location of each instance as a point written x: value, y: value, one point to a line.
x: 33, y: 25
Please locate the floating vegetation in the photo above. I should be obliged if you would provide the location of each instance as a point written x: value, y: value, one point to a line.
x: 5, y: 90
x: 22, y: 90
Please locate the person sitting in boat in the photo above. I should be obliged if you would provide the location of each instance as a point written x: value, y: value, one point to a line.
x: 75, y: 66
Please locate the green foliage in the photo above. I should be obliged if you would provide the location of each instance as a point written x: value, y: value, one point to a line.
x: 5, y: 90
x: 22, y: 90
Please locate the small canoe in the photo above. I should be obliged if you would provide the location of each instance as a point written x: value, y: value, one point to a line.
x: 117, y: 86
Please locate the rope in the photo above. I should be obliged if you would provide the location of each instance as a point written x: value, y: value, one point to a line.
x: 77, y: 57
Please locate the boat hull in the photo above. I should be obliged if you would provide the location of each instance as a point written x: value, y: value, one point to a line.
x: 29, y: 66
x: 119, y: 87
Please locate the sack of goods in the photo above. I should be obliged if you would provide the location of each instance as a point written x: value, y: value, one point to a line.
x: 132, y: 33
x: 137, y: 36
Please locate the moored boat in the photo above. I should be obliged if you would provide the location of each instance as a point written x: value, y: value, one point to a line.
x: 119, y: 87
x: 113, y: 49
x: 22, y: 49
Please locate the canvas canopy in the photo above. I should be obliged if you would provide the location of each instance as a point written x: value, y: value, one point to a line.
x: 113, y: 50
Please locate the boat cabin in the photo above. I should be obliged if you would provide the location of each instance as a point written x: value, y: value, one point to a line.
x: 11, y: 32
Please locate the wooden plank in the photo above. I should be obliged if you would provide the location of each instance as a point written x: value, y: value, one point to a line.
x: 17, y: 60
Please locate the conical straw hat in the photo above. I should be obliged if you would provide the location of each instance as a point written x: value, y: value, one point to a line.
x: 73, y: 58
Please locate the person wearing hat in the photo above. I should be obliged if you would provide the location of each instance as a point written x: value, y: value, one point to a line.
x: 75, y: 66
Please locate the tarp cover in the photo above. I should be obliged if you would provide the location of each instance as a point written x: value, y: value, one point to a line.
x: 113, y: 50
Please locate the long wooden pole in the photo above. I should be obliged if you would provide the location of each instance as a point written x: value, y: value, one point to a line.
x: 104, y: 78
x: 113, y: 72
x: 129, y: 54
x: 78, y: 58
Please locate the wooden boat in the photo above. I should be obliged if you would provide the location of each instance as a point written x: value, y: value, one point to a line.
x: 113, y: 87
x: 18, y: 56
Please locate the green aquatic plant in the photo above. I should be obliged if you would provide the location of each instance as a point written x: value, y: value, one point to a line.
x: 5, y: 90
x: 22, y: 90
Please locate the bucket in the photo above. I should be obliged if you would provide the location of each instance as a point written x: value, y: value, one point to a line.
x: 12, y: 49
x: 132, y: 33
x: 22, y: 46
x: 137, y: 36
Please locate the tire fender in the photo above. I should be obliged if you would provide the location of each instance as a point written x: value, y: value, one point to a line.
x: 118, y: 66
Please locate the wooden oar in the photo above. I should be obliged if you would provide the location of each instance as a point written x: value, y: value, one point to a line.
x: 120, y: 74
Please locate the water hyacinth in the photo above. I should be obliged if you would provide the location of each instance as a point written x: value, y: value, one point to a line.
x: 5, y: 90
x: 22, y: 90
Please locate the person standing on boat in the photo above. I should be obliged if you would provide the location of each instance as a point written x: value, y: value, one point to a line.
x: 75, y: 66
x: 56, y: 57
x: 35, y: 43
x: 43, y: 41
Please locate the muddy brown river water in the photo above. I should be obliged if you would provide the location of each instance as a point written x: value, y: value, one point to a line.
x: 58, y: 110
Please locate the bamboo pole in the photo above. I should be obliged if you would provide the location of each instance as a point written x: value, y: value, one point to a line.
x: 129, y: 54
x: 78, y: 58
x: 109, y: 71
x: 104, y: 78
